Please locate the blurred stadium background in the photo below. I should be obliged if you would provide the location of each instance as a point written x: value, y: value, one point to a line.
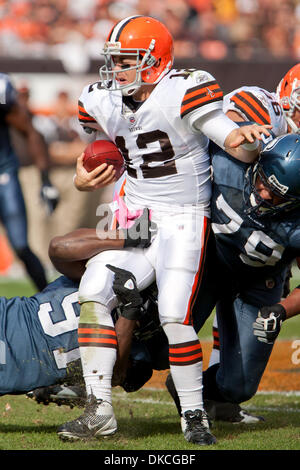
x: 51, y: 48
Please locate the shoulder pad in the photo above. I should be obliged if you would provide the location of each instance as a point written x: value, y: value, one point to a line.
x: 203, y: 94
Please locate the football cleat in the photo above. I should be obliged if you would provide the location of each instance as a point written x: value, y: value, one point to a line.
x: 217, y: 411
x: 69, y: 395
x: 230, y: 413
x: 97, y: 420
x: 195, y: 428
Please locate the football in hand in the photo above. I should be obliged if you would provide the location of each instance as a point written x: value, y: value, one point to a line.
x: 103, y: 151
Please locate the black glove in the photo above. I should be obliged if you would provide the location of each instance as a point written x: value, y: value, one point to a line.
x: 141, y: 232
x: 125, y: 288
x: 268, y: 323
x: 49, y: 193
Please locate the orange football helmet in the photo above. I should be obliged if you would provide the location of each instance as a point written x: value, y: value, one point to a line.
x: 288, y: 93
x: 145, y: 39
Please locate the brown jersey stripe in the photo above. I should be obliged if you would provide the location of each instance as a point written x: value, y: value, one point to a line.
x: 81, y: 107
x: 85, y: 117
x: 199, y: 103
x: 202, y: 87
x: 257, y: 104
x: 253, y: 112
x: 200, y: 91
x: 83, y: 113
x: 208, y: 90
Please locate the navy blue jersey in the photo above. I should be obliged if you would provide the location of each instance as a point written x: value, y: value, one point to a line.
x: 249, y: 246
x: 8, y: 98
x: 38, y: 337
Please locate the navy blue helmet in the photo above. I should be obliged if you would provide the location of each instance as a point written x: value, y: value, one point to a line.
x: 279, y: 168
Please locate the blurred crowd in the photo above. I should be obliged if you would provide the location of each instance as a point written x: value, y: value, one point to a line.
x: 74, y: 31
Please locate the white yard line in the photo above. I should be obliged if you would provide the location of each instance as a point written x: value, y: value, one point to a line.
x: 124, y: 396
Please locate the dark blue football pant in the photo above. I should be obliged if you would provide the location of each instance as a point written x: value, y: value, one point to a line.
x: 14, y: 219
x: 243, y: 358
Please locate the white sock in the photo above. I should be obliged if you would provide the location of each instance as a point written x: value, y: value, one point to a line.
x: 185, y: 357
x: 98, y: 349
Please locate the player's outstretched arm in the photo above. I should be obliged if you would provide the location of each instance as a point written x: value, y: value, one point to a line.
x: 243, y: 142
x: 69, y: 253
x: 101, y: 176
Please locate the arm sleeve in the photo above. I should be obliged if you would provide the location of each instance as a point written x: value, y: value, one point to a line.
x: 215, y: 125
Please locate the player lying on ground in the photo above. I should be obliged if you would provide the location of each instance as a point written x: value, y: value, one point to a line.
x: 38, y: 335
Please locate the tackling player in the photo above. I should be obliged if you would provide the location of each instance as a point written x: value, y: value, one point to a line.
x: 38, y: 335
x: 162, y: 120
x: 255, y: 214
x: 282, y: 111
x: 12, y: 205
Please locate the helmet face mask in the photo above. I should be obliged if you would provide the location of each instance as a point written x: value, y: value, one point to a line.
x: 264, y: 207
x: 143, y: 39
x: 143, y: 61
x: 278, y: 168
x: 288, y: 93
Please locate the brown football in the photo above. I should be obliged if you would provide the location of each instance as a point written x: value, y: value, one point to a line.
x: 103, y: 151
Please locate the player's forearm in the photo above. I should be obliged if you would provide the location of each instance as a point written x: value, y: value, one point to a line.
x: 124, y: 330
x: 292, y: 303
x: 83, y: 244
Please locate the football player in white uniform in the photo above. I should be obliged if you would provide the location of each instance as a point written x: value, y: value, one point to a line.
x: 162, y: 120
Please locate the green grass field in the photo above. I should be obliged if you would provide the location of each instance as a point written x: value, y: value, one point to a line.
x: 148, y: 419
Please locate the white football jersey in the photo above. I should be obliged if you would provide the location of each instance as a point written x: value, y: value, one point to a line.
x: 167, y: 163
x: 258, y: 105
